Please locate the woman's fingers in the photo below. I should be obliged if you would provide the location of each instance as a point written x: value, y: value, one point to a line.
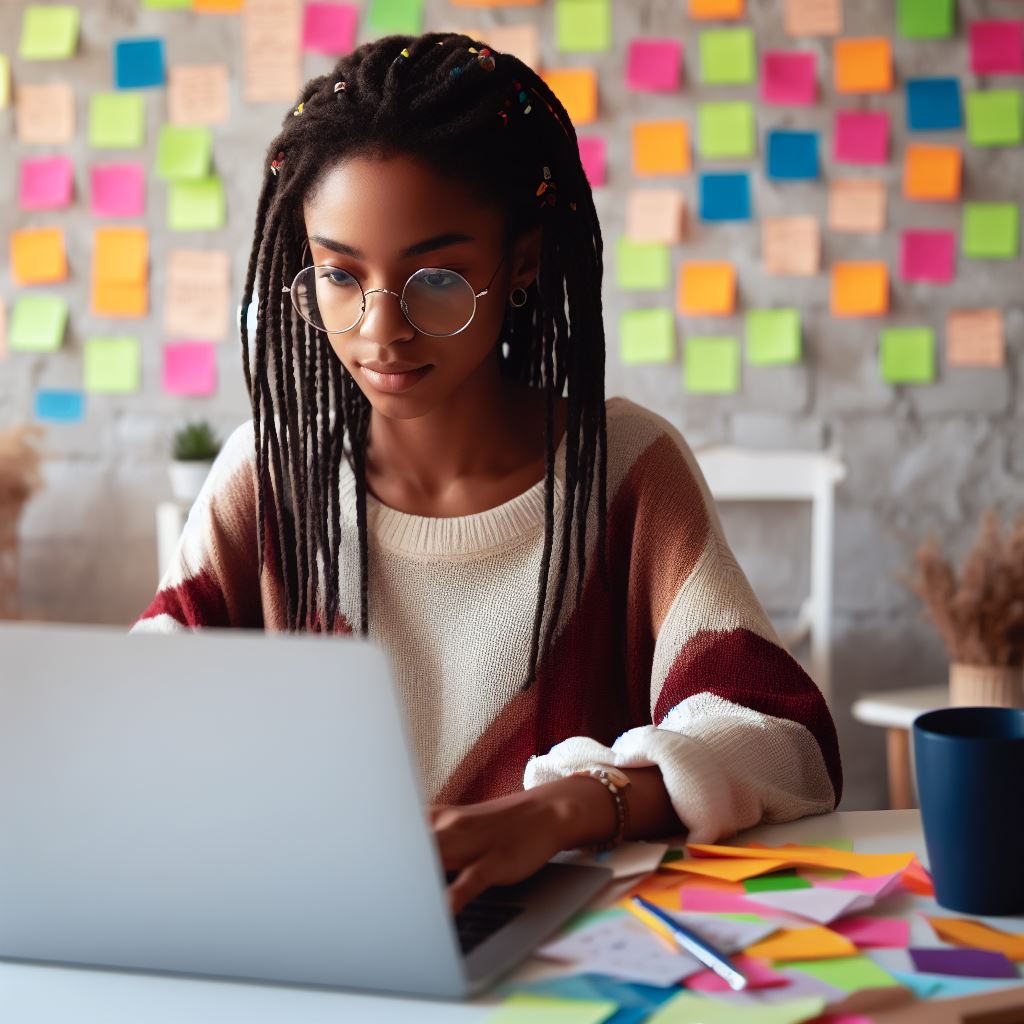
x: 470, y: 882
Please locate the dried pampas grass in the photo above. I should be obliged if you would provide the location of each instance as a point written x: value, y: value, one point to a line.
x: 20, y: 477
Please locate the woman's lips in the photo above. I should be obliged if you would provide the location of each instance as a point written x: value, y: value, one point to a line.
x: 394, y: 382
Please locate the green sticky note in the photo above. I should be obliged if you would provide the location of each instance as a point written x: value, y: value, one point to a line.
x: 404, y: 17
x: 48, y: 32
x: 196, y: 205
x: 5, y: 80
x: 994, y: 117
x: 925, y: 19
x: 167, y: 5
x: 112, y: 365
x: 691, y: 1008
x: 712, y: 365
x: 583, y: 25
x: 773, y: 336
x: 776, y: 883
x: 726, y: 129
x: 727, y: 56
x: 527, y: 1008
x: 991, y: 231
x: 38, y: 322
x: 908, y: 355
x: 848, y: 973
x: 647, y: 336
x: 116, y: 120
x: 642, y: 264
x: 183, y: 152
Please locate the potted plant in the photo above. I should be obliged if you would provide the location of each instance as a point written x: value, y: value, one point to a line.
x: 980, y: 613
x: 195, y: 448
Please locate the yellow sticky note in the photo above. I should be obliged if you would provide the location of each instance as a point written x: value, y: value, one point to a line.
x: 716, y: 10
x: 661, y: 147
x: 120, y: 255
x: 867, y: 864
x: 731, y: 869
x: 577, y: 89
x: 38, y: 256
x: 863, y: 65
x: 707, y: 288
x: 962, y: 931
x: 932, y: 172
x: 860, y: 288
x: 5, y: 81
x: 111, y: 365
x: 813, y: 943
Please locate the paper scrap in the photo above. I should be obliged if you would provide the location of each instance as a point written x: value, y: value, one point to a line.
x: 661, y: 147
x: 45, y: 183
x: 527, y: 1008
x: 908, y: 355
x: 196, y: 205
x: 654, y: 65
x: 972, y: 963
x: 791, y: 246
x: 197, y: 94
x: 994, y: 117
x: 189, y: 368
x: 874, y: 932
x: 116, y: 120
x: 111, y: 365
x: 932, y: 172
x: 732, y: 869
x: 725, y: 129
x: 716, y: 10
x: 928, y: 256
x: 44, y: 115
x: 817, y: 904
x: 727, y: 56
x: 711, y: 365
x: 198, y: 286
x: 725, y: 196
x: 330, y: 28
x: 271, y: 50
x: 974, y: 337
x: 38, y: 256
x: 789, y: 78
x: 857, y: 205
x: 861, y: 137
x: 867, y: 864
x: 862, y: 64
x: 686, y: 1008
x: 859, y: 288
x: 707, y: 288
x: 933, y: 104
x: 963, y: 931
x: 118, y: 190
x: 925, y: 19
x: 813, y: 17
x: 583, y: 26
x: 139, y: 63
x: 759, y: 975
x: 593, y: 157
x: 49, y: 32
x: 628, y: 858
x: 37, y: 323
x: 848, y: 973
x: 991, y: 231
x: 997, y: 46
x: 655, y: 215
x: 577, y: 90
x: 59, y: 406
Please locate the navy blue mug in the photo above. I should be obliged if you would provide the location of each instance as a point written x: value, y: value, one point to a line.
x: 969, y: 764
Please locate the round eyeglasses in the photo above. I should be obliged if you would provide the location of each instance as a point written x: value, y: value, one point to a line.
x: 434, y: 300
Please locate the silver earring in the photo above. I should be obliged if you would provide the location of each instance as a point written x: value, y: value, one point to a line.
x: 522, y: 300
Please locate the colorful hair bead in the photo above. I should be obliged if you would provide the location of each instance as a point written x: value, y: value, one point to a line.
x: 339, y: 86
x: 275, y: 164
x: 298, y: 110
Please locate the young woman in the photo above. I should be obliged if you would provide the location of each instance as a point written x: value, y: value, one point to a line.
x: 432, y: 462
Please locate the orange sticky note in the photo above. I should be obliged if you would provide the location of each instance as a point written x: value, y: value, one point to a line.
x: 112, y: 299
x: 869, y: 865
x: 863, y: 65
x: 932, y: 172
x: 860, y: 288
x: 962, y: 931
x: 730, y: 869
x: 716, y: 10
x: 120, y: 255
x: 661, y: 147
x: 38, y: 256
x: 817, y: 943
x: 577, y: 89
x: 707, y: 289
x: 217, y: 6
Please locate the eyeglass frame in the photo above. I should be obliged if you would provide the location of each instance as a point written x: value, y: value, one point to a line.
x: 401, y: 297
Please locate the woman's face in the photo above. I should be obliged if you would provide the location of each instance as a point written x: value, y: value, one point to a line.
x: 380, y: 220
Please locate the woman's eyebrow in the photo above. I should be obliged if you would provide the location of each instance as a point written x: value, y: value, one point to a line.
x: 427, y: 245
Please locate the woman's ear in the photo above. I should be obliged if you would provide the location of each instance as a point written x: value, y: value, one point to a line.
x: 526, y: 257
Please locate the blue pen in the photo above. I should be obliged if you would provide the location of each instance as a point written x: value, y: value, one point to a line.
x: 697, y: 947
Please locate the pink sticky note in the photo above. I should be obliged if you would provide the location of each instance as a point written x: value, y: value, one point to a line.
x: 118, y: 190
x: 861, y: 137
x: 717, y: 901
x: 759, y: 975
x: 329, y: 28
x: 842, y: 1018
x: 875, y: 885
x: 928, y: 256
x: 997, y: 47
x: 789, y: 79
x: 45, y: 183
x: 592, y: 156
x: 654, y: 65
x: 190, y: 368
x: 874, y: 932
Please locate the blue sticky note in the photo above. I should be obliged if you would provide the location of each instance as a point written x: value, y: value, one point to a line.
x: 725, y: 196
x: 138, y: 63
x: 636, y: 1001
x: 59, y: 406
x: 792, y: 156
x: 946, y: 986
x: 933, y: 104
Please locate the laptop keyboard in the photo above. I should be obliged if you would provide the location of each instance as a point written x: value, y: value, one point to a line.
x: 481, y: 917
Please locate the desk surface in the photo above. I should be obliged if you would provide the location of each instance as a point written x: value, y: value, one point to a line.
x: 37, y: 994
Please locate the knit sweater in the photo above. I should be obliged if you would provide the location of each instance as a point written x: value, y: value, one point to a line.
x: 673, y: 664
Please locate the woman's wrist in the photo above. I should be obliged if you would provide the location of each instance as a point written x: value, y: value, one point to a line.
x: 584, y: 811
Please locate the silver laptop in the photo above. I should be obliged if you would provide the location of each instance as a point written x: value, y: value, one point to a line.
x: 238, y: 805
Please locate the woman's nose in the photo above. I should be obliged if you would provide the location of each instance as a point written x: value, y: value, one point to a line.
x: 383, y: 320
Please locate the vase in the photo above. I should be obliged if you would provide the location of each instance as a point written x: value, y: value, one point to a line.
x: 986, y: 685
x: 188, y: 477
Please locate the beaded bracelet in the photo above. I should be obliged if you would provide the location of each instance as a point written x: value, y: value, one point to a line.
x: 617, y: 783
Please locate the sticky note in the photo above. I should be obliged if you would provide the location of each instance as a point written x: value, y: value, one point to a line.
x: 45, y: 114
x: 528, y: 1008
x: 577, y: 90
x: 933, y: 104
x: 687, y: 1008
x: 974, y: 963
x: 963, y: 931
x: 932, y: 172
x: 974, y: 337
x: 861, y: 137
x: 925, y: 19
x: 138, y: 63
x: 947, y: 986
x: 45, y: 183
x: 523, y: 40
x: 583, y: 25
x: 874, y: 932
x: 654, y: 65
x: 661, y: 147
x: 730, y: 869
x: 997, y: 47
x: 727, y: 56
x: 3, y: 328
x: 59, y: 406
x: 813, y: 17
x: 791, y: 246
x: 813, y: 943
x: 928, y: 256
x: 118, y: 190
x: 593, y: 149
x: 866, y: 864
x: 111, y: 365
x: 773, y: 336
x: 857, y: 205
x: 5, y: 81
x: 189, y: 368
x: 862, y: 65
x: 111, y: 299
x: 707, y: 288
x: 783, y: 880
x: 860, y: 288
x: 116, y: 120
x: 329, y: 28
x: 789, y: 79
x: 388, y: 17
x: 647, y: 336
x: 642, y: 264
x: 121, y: 254
x: 196, y: 205
x: 48, y: 32
x: 792, y: 155
x: 711, y: 366
x: 38, y: 322
x: 198, y: 94
x: 715, y: 10
x: 183, y: 152
x: 848, y: 973
x: 994, y: 117
x: 726, y: 129
x: 655, y: 215
x: 196, y: 296
x: 725, y: 196
x: 38, y: 256
x: 167, y: 5
x: 908, y: 355
x: 991, y: 231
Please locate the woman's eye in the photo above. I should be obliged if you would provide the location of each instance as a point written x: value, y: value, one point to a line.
x: 439, y: 278
x: 337, y: 278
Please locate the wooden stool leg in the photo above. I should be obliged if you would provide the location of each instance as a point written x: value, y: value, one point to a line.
x: 898, y: 750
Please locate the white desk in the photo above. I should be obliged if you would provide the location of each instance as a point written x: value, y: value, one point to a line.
x: 35, y: 994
